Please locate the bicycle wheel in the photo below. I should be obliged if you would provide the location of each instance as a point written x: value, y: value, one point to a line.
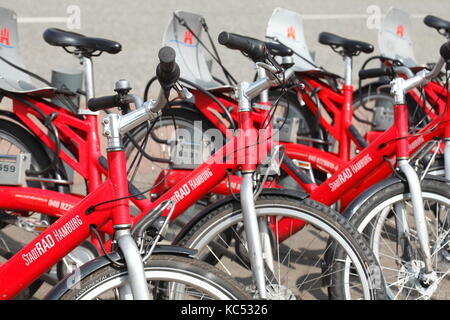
x: 294, y: 260
x: 373, y: 109
x: 382, y: 220
x: 168, y: 277
x: 14, y: 139
x: 186, y: 130
x: 288, y: 108
x: 176, y: 135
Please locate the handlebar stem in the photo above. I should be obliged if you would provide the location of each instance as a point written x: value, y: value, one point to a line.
x: 244, y: 94
x: 404, y: 70
x: 255, y: 88
x: 264, y: 95
x: 400, y: 86
x: 111, y: 130
x: 115, y: 125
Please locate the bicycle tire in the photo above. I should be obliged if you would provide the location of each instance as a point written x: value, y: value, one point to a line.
x: 370, y: 219
x: 202, y: 234
x: 187, y: 271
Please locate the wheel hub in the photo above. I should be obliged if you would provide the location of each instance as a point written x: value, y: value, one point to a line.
x: 279, y: 292
x: 411, y: 277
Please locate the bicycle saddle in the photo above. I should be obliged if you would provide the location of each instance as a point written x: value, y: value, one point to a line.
x: 437, y: 23
x: 351, y: 47
x: 62, y: 38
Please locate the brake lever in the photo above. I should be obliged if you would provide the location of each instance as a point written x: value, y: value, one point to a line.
x: 187, y: 95
x: 267, y: 67
x: 184, y: 94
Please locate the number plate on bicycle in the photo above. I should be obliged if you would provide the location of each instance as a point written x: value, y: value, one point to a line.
x: 12, y: 169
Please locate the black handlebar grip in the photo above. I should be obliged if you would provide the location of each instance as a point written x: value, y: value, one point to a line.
x: 167, y: 70
x: 445, y: 51
x: 254, y: 48
x: 101, y: 103
x: 428, y: 20
x: 373, y: 73
x: 166, y: 57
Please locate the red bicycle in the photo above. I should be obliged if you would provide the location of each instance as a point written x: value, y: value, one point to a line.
x: 135, y: 266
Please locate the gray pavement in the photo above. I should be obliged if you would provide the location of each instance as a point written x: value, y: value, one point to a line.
x: 139, y: 25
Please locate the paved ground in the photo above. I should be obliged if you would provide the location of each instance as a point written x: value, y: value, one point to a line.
x: 139, y: 26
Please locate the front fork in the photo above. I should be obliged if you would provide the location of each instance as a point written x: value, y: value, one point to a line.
x: 137, y: 288
x: 252, y: 233
x: 418, y: 211
x: 447, y: 135
x: 447, y: 159
x: 402, y: 153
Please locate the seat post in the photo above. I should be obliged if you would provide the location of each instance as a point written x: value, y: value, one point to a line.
x: 88, y: 77
x: 348, y: 69
x: 86, y: 61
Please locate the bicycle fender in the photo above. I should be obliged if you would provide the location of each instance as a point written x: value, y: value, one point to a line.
x: 12, y: 116
x: 297, y: 195
x: 92, y: 266
x: 370, y: 192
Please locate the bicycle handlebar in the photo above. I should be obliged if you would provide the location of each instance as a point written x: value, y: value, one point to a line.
x: 385, y: 71
x: 101, y: 103
x: 375, y: 73
x: 255, y: 49
x: 167, y: 71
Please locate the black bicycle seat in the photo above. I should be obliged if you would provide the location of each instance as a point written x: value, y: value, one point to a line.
x: 62, y: 38
x: 437, y: 23
x: 351, y: 47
